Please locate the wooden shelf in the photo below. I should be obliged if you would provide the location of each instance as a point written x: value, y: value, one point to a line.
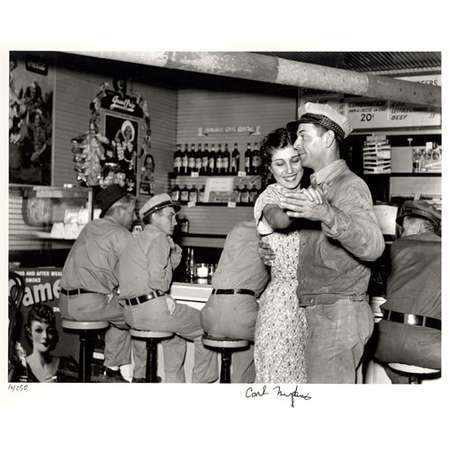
x: 405, y: 174
x: 48, y: 235
x: 177, y: 175
x: 416, y: 174
x: 238, y: 205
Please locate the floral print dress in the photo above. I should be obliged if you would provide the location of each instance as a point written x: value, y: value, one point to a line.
x: 281, y: 330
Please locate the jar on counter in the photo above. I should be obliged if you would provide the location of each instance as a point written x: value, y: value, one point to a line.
x: 201, y: 273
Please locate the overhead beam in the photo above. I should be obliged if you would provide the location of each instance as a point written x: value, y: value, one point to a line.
x: 271, y: 69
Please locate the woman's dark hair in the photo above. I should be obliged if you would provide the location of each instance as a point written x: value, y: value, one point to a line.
x: 279, y: 138
x: 40, y: 312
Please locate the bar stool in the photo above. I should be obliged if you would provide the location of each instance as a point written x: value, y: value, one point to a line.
x: 152, y: 338
x: 415, y: 374
x: 226, y: 346
x: 86, y: 331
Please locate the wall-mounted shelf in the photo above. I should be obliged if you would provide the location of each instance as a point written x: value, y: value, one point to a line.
x: 404, y: 174
x: 48, y: 235
x: 197, y: 175
x: 202, y: 240
x: 237, y: 205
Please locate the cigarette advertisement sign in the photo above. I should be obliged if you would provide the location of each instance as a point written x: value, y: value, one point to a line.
x: 42, y: 285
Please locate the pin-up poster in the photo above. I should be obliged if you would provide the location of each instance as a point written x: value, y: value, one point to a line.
x: 31, y: 80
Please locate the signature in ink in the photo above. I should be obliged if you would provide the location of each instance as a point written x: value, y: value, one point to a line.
x: 252, y: 392
x: 293, y: 395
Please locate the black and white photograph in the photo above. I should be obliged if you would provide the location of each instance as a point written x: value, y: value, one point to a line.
x: 245, y: 230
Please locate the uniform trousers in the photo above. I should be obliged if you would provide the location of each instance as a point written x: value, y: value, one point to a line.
x: 97, y: 307
x: 233, y: 316
x: 185, y: 323
x: 337, y: 334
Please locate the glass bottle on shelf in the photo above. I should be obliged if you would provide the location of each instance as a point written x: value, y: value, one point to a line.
x: 428, y: 156
x: 212, y: 160
x: 201, y: 194
x: 193, y: 194
x: 175, y: 194
x: 191, y: 159
x: 185, y: 160
x: 184, y: 194
x: 205, y: 156
x: 253, y: 195
x: 437, y: 152
x: 256, y: 159
x: 219, y: 156
x: 184, y: 224
x: 235, y: 157
x: 226, y: 157
x: 248, y: 159
x: 245, y: 195
x: 177, y: 160
x: 237, y: 194
x: 198, y: 158
x: 191, y: 264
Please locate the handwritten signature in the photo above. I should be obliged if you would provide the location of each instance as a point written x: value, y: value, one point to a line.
x: 256, y: 393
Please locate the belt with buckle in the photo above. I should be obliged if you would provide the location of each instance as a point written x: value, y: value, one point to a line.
x: 412, y: 319
x: 69, y: 292
x: 142, y: 298
x: 233, y: 291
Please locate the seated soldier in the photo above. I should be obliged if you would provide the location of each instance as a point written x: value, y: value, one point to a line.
x: 145, y: 276
x: 410, y: 332
x: 231, y: 309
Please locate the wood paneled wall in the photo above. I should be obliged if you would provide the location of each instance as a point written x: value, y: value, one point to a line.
x: 74, y: 90
x: 200, y: 108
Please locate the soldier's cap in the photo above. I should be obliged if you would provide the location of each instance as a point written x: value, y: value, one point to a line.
x: 420, y: 208
x: 324, y: 115
x: 108, y: 196
x: 156, y: 203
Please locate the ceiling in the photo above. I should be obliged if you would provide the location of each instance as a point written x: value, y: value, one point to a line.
x: 376, y: 63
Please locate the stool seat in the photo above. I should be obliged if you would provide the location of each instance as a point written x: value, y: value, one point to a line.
x: 147, y: 334
x: 152, y: 338
x: 412, y: 369
x: 226, y: 346
x: 84, y: 325
x: 86, y: 330
x: 224, y: 342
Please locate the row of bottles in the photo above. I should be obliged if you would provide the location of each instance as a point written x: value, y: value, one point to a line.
x: 196, y: 194
x: 426, y: 159
x: 215, y: 161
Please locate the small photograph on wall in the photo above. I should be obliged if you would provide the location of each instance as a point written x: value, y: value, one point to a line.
x: 122, y: 134
x: 147, y: 175
x: 31, y: 80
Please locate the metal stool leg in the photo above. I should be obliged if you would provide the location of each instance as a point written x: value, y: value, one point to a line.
x: 86, y: 350
x: 225, y: 366
x: 152, y: 361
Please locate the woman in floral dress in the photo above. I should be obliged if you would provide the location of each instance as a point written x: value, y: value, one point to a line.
x: 281, y: 329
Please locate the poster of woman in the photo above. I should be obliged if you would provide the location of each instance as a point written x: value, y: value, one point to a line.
x: 122, y: 134
x: 30, y: 120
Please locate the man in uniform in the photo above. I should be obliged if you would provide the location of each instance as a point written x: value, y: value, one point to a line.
x: 231, y: 310
x: 90, y: 275
x: 145, y: 275
x: 333, y: 270
x: 410, y: 331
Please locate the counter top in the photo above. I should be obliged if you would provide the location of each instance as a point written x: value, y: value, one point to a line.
x: 191, y: 291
